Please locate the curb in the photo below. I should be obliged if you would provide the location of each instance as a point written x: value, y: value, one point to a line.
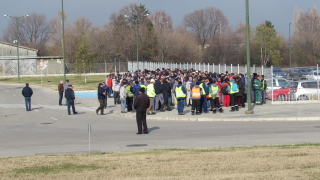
x: 207, y: 119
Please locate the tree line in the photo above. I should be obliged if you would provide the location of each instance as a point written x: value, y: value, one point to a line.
x: 204, y: 36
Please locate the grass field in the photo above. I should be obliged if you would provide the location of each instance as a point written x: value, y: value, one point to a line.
x: 264, y: 162
x: 52, y: 82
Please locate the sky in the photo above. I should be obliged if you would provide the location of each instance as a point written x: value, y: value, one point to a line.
x: 279, y: 12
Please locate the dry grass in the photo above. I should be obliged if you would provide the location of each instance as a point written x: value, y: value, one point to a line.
x: 53, y: 81
x: 280, y: 162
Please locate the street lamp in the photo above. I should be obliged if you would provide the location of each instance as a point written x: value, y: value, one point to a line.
x: 249, y: 111
x: 290, y: 45
x: 63, y: 43
x: 161, y: 24
x: 137, y: 18
x: 17, y: 41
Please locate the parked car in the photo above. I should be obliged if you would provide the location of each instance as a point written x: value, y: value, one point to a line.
x: 278, y: 72
x: 281, y: 94
x: 277, y: 83
x: 304, y: 90
x: 314, y: 75
x: 298, y: 73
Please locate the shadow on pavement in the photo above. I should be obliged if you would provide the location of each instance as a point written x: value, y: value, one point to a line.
x: 153, y: 128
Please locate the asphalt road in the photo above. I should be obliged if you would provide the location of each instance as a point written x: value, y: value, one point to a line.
x: 47, y: 129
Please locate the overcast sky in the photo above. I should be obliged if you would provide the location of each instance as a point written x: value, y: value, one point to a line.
x: 279, y: 12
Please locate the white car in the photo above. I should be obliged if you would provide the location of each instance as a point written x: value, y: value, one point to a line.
x: 314, y: 75
x: 304, y: 90
x: 277, y: 83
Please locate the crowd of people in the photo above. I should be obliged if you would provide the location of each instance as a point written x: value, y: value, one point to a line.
x: 201, y: 91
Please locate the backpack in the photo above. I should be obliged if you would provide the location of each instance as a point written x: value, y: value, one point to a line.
x: 225, y: 89
x: 235, y: 87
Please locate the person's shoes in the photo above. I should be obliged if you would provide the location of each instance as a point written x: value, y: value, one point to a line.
x: 139, y: 133
x: 214, y: 111
x: 232, y: 109
x: 153, y: 113
x: 123, y: 112
x: 211, y: 110
x: 146, y: 132
x: 237, y: 108
x: 97, y: 112
x: 29, y: 110
x: 60, y: 104
x: 188, y: 105
x: 206, y: 112
x: 198, y: 113
x: 162, y: 110
x: 221, y: 110
x: 133, y: 111
x: 69, y: 114
x: 192, y: 112
x: 169, y: 109
x: 75, y: 113
x: 103, y: 114
x: 181, y: 113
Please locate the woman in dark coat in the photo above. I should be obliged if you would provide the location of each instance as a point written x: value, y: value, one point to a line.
x: 166, y: 91
x: 241, y: 91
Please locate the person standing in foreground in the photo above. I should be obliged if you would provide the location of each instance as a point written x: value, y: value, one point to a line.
x: 60, y: 90
x: 123, y: 97
x: 141, y: 104
x: 27, y: 93
x: 101, y: 98
x: 180, y: 93
x: 65, y: 87
x: 196, y: 96
x: 69, y: 95
x: 151, y: 93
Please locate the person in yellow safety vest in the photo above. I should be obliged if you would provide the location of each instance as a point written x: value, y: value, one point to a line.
x: 214, y: 97
x: 195, y: 95
x: 205, y: 91
x: 151, y: 93
x: 264, y: 89
x: 233, y: 95
x: 129, y: 98
x: 180, y: 93
x: 143, y: 86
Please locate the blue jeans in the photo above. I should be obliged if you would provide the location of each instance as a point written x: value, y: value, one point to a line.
x: 203, y: 104
x: 28, y: 103
x: 70, y: 102
x: 154, y: 103
x: 180, y: 105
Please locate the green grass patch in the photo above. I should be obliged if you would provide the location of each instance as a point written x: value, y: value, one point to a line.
x: 52, y: 82
x: 56, y: 169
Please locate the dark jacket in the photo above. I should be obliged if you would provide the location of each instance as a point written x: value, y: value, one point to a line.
x: 141, y: 102
x: 27, y: 92
x: 101, y: 90
x: 241, y: 88
x: 136, y: 89
x: 69, y: 94
x: 166, y: 90
x: 60, y: 88
x: 157, y: 87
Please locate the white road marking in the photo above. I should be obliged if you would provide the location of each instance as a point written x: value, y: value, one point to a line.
x: 54, y: 118
x: 14, y: 95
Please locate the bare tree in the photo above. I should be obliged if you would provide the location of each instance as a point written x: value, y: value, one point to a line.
x: 205, y: 23
x: 34, y: 32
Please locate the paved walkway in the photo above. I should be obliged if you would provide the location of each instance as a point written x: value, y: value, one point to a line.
x: 277, y: 111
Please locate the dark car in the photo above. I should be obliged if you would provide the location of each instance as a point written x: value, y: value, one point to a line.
x: 298, y: 73
x: 278, y: 72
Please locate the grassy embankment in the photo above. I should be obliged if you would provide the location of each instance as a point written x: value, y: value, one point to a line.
x: 264, y: 162
x: 52, y: 82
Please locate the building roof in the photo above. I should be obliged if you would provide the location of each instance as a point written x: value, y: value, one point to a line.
x: 22, y: 47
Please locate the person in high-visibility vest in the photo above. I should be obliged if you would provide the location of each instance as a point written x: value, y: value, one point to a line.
x: 205, y: 91
x: 180, y: 93
x: 233, y: 95
x: 214, y: 97
x: 129, y: 97
x: 151, y: 93
x: 264, y: 89
x: 195, y: 95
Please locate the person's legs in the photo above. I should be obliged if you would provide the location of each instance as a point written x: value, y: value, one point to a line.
x: 154, y: 104
x: 204, y: 104
x: 129, y: 105
x: 201, y: 103
x: 115, y: 96
x: 105, y: 102
x: 26, y: 102
x: 144, y: 122
x: 180, y: 105
x: 68, y: 104
x: 101, y: 106
x: 123, y: 105
x: 60, y: 98
x: 133, y: 103
x: 150, y: 106
x: 73, y: 108
x: 139, y: 122
x: 197, y: 104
